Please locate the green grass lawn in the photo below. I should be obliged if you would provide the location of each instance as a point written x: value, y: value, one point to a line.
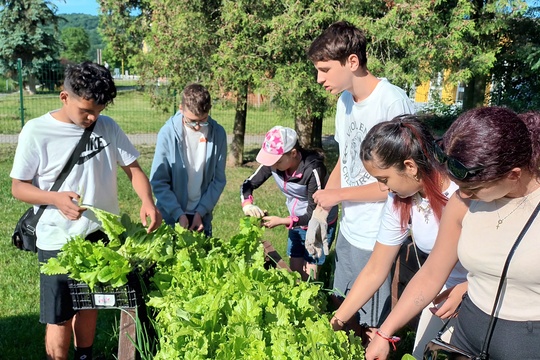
x: 21, y: 333
x: 133, y: 111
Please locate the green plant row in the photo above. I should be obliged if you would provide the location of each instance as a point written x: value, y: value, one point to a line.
x: 212, y: 298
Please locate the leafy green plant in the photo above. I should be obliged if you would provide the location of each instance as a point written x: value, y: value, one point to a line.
x: 221, y: 303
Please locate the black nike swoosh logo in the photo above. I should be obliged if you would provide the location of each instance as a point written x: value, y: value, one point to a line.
x: 85, y: 158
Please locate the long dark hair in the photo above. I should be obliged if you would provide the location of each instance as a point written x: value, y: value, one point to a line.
x: 390, y: 143
x: 495, y: 138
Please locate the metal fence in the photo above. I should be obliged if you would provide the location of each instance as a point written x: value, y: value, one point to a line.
x: 132, y: 109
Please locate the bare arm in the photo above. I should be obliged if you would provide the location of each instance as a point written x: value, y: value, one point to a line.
x: 428, y: 281
x: 367, y: 283
x: 141, y: 185
x: 334, y: 194
x: 65, y: 201
x: 452, y: 298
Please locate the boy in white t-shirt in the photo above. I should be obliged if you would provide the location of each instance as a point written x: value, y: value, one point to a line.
x: 45, y: 145
x: 188, y: 171
x: 339, y: 55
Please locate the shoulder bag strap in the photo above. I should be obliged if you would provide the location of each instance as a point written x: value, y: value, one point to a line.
x: 489, y: 334
x: 70, y: 164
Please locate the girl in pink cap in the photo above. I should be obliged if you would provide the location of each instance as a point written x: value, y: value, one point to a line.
x: 298, y: 173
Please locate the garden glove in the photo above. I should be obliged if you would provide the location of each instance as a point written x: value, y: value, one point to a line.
x: 253, y: 210
x: 316, y: 235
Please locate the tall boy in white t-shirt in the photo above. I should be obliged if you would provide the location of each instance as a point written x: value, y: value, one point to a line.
x: 339, y: 55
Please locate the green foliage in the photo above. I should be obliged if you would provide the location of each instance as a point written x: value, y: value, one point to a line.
x: 211, y: 298
x: 90, y: 25
x: 516, y: 76
x: 414, y: 40
x: 92, y: 263
x: 292, y: 78
x: 439, y: 115
x: 221, y: 303
x: 130, y: 248
x: 123, y: 26
x: 76, y: 44
x: 29, y: 31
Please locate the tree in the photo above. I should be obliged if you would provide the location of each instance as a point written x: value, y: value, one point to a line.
x: 237, y: 47
x: 292, y: 77
x: 90, y: 24
x: 217, y: 43
x: 415, y: 40
x: 76, y: 44
x: 240, y: 60
x: 178, y: 46
x: 29, y: 31
x: 124, y: 24
x: 515, y: 74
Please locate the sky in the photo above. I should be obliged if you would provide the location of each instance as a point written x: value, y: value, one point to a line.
x: 91, y: 6
x: 76, y: 6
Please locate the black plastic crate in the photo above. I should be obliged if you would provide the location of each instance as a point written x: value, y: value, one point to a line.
x: 106, y: 297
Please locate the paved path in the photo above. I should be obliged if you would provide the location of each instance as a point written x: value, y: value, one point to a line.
x: 150, y: 139
x: 143, y: 139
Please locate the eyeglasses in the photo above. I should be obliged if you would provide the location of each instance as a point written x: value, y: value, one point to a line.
x: 454, y: 166
x: 192, y: 123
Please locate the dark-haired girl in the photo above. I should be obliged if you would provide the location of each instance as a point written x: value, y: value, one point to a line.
x: 398, y: 154
x: 492, y: 155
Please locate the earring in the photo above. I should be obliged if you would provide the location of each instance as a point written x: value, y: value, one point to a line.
x: 415, y: 177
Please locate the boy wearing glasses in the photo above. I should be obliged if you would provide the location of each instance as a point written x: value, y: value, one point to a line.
x: 188, y: 170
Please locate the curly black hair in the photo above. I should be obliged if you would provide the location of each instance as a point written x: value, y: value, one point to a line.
x: 90, y: 81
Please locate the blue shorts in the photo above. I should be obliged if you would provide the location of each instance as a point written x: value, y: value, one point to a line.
x: 296, y: 244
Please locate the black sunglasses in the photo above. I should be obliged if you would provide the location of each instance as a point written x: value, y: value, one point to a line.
x: 455, y: 167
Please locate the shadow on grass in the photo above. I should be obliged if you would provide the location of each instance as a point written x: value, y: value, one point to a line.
x: 23, y: 337
x: 19, y: 336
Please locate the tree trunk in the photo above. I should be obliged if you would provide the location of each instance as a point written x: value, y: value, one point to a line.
x: 236, y: 153
x: 32, y: 84
x: 475, y: 92
x: 309, y: 129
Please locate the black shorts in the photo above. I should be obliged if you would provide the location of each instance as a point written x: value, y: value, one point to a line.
x: 55, y: 302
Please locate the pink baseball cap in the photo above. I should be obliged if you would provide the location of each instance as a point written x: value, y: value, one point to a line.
x: 278, y: 141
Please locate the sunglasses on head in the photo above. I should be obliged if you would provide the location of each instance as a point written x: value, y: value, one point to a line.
x: 454, y: 166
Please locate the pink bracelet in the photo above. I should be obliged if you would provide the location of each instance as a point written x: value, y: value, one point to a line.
x: 293, y: 220
x: 248, y: 200
x: 391, y: 339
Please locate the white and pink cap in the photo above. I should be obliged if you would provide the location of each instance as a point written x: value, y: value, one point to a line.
x: 278, y: 141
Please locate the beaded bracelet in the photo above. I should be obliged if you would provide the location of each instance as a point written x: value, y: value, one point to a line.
x: 391, y: 339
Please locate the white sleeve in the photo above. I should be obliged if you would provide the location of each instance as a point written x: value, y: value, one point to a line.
x: 390, y: 232
x: 26, y: 160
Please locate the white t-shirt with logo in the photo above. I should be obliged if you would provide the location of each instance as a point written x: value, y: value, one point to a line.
x: 360, y: 220
x: 44, y: 147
